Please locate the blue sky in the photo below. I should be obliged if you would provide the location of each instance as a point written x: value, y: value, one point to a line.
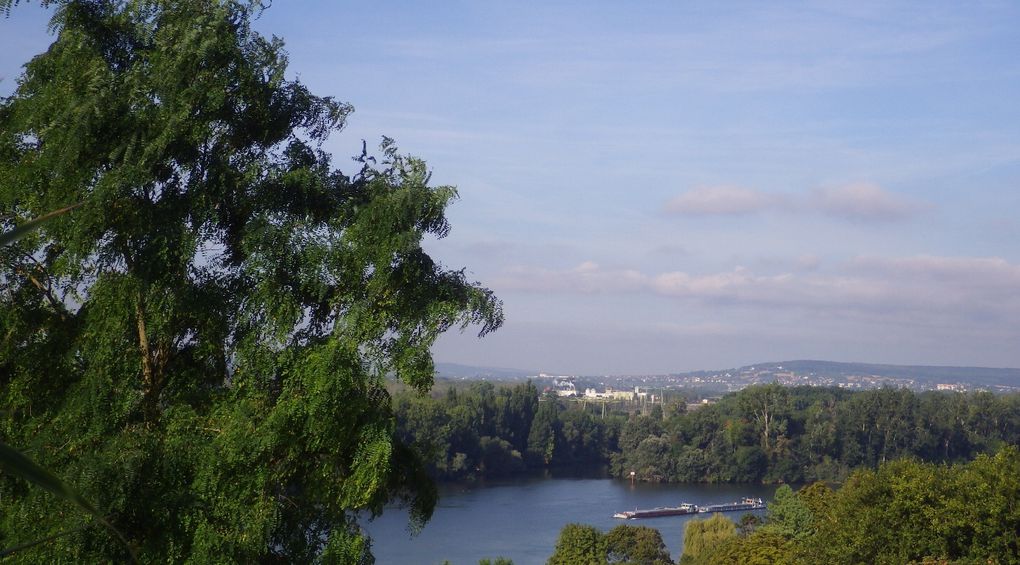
x: 664, y: 186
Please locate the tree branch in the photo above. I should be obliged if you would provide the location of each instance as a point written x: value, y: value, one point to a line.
x: 46, y: 290
x: 148, y: 376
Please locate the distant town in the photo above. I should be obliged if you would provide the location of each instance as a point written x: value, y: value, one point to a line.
x: 854, y: 376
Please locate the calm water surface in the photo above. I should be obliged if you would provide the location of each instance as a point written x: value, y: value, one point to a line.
x: 520, y: 519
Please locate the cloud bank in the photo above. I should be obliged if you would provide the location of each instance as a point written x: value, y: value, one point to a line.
x: 858, y: 202
x: 863, y: 202
x: 921, y: 290
x: 719, y: 201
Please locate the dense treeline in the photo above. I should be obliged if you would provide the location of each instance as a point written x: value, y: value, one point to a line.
x: 484, y: 430
x: 775, y: 434
x: 764, y: 433
x: 906, y: 511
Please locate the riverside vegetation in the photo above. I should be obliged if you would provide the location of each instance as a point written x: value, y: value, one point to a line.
x: 764, y: 433
x: 904, y: 512
x: 930, y: 477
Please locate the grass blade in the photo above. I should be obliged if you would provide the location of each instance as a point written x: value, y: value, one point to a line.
x: 17, y: 464
x: 21, y: 231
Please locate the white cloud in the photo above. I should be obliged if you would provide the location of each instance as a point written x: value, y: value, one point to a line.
x: 926, y: 290
x: 857, y: 202
x: 972, y: 271
x: 719, y: 201
x: 587, y: 277
x: 863, y: 202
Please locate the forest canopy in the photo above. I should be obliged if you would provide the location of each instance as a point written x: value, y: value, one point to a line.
x: 764, y: 433
x: 201, y: 346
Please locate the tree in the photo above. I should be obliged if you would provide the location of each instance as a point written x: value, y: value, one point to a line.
x: 702, y: 536
x: 579, y: 544
x: 767, y: 405
x: 748, y: 524
x: 636, y: 545
x: 543, y: 434
x: 788, y: 516
x: 760, y: 548
x: 201, y: 347
x: 907, y: 511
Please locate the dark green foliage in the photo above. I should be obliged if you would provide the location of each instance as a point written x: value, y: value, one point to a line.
x: 491, y: 431
x: 813, y: 434
x: 17, y: 464
x: 201, y: 347
x: 774, y: 434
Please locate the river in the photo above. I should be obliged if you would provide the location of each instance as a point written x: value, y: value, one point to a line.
x: 520, y: 519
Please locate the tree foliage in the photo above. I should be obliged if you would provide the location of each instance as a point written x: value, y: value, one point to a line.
x: 636, y: 545
x: 202, y: 346
x: 487, y: 430
x: 816, y: 434
x: 702, y: 536
x: 903, y: 512
x: 788, y: 515
x: 579, y: 544
x: 795, y: 435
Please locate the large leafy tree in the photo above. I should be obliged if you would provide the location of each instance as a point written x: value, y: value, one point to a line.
x: 201, y: 346
x: 702, y: 536
x: 636, y: 545
x: 579, y: 544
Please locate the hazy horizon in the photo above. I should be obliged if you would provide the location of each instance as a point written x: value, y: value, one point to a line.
x: 761, y: 362
x: 665, y: 187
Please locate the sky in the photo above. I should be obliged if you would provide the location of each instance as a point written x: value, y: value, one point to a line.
x: 656, y: 187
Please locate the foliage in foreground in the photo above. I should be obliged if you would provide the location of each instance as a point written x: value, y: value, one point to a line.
x: 17, y: 464
x: 201, y: 347
x: 903, y: 512
x: 580, y: 544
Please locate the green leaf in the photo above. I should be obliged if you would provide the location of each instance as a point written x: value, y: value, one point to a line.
x: 16, y: 464
x: 27, y: 227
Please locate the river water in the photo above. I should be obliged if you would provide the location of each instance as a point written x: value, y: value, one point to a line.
x: 520, y: 519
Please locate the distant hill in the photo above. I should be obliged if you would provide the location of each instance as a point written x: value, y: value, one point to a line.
x: 457, y: 371
x: 923, y: 373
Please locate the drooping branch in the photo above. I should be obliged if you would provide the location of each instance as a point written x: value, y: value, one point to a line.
x: 46, y: 289
x: 149, y: 385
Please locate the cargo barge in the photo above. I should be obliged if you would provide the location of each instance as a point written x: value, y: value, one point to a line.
x: 688, y: 508
x: 684, y: 508
x: 744, y: 504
